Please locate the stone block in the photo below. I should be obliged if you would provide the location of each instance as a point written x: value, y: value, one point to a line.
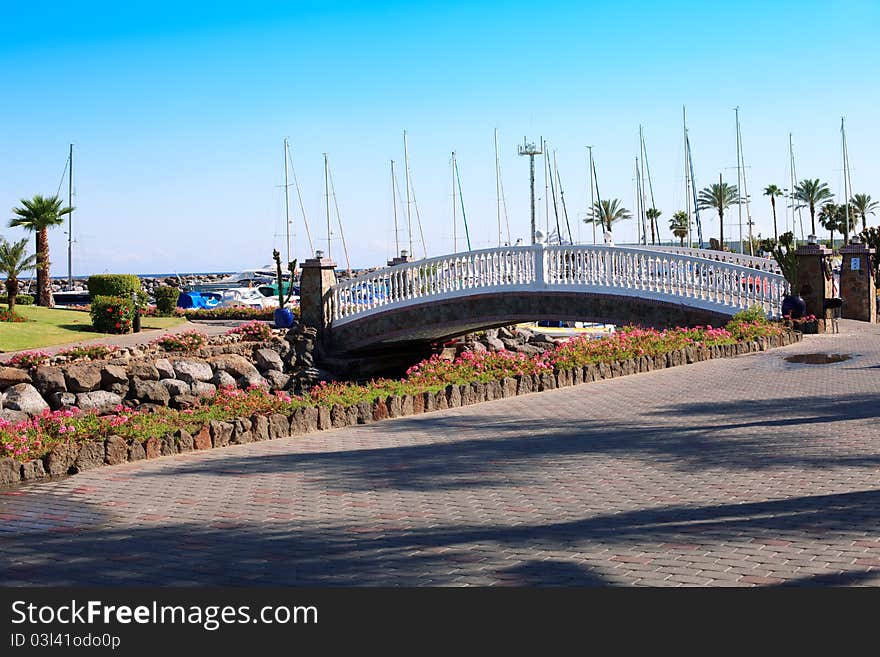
x: 176, y: 387
x: 151, y: 392
x: 169, y: 445
x: 508, y: 387
x: 268, y: 359
x: 164, y: 368
x: 61, y: 458
x: 202, y: 438
x: 192, y: 370
x: 10, y: 376
x: 453, y: 396
x: 48, y: 380
x: 185, y: 441
x: 143, y: 371
x: 10, y: 471
x: 136, y: 451
x: 100, y: 401
x: 83, y: 377
x: 364, y: 412
x: 259, y: 427
x: 221, y: 433
x: 279, y: 426
x: 321, y: 416
x: 25, y: 398
x: 33, y: 470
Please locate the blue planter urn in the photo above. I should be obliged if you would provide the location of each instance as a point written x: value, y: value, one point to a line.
x: 283, y: 318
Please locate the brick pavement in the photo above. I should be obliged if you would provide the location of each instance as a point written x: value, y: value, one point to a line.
x: 740, y: 472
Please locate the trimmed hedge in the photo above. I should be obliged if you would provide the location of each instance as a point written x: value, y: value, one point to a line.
x: 112, y: 314
x: 20, y: 300
x: 166, y: 299
x: 115, y: 285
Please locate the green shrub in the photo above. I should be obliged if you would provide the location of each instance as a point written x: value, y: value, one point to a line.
x: 754, y: 314
x: 116, y: 285
x: 166, y: 299
x: 20, y: 300
x: 112, y: 314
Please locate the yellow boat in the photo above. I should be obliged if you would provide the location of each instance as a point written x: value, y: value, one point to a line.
x: 559, y: 329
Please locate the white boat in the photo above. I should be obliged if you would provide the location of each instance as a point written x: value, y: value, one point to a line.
x: 263, y: 296
x: 247, y: 278
x: 564, y: 329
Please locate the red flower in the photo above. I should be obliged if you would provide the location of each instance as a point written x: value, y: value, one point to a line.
x: 109, y: 310
x: 118, y: 325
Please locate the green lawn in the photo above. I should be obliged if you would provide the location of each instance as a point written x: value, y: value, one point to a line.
x: 51, y: 326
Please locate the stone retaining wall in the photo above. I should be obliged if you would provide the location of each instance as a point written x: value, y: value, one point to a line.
x: 149, y: 378
x: 71, y: 458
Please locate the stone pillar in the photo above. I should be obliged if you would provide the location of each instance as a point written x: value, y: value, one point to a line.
x: 318, y: 276
x: 857, y: 285
x: 814, y: 279
x: 404, y: 258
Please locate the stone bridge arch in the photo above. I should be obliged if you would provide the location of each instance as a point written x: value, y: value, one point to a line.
x: 439, y: 298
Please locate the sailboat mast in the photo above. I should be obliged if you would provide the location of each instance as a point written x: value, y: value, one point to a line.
x: 408, y: 202
x: 687, y: 175
x: 846, y: 182
x: 793, y: 183
x: 339, y: 223
x: 497, y: 188
x: 454, y: 218
x: 598, y: 196
x: 592, y: 212
x: 302, y: 207
x: 327, y: 200
x: 562, y: 200
x: 286, y: 201
x: 738, y: 184
x: 70, y: 223
x: 546, y: 190
x: 394, y: 206
x: 655, y: 227
x: 745, y: 188
x: 555, y: 207
x: 639, y: 226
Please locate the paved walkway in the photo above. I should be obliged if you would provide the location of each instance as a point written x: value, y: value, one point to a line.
x: 749, y: 471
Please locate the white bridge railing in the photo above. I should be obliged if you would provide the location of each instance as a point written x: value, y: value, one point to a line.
x: 690, y: 280
x: 763, y: 264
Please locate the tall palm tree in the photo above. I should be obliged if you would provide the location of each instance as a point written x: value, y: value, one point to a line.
x: 607, y: 212
x: 863, y: 205
x: 809, y: 194
x: 829, y: 219
x: 653, y: 214
x: 37, y: 215
x: 13, y: 263
x: 679, y: 225
x: 718, y: 196
x: 773, y: 191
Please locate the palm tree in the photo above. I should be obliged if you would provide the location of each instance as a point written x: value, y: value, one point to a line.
x: 773, y: 191
x: 38, y: 215
x: 679, y: 225
x: 719, y: 196
x: 863, y: 205
x: 829, y: 219
x: 811, y: 193
x: 607, y: 212
x: 13, y: 263
x: 653, y: 214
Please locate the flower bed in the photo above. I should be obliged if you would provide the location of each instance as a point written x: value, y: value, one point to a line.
x: 253, y: 331
x: 69, y: 441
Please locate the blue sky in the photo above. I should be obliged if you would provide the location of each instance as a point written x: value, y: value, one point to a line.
x: 178, y: 111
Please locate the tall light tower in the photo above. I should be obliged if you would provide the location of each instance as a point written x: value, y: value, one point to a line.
x: 530, y: 149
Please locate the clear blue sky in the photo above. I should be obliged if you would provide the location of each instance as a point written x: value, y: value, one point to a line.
x: 178, y: 111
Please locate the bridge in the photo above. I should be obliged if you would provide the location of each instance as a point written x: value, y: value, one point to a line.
x: 443, y: 297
